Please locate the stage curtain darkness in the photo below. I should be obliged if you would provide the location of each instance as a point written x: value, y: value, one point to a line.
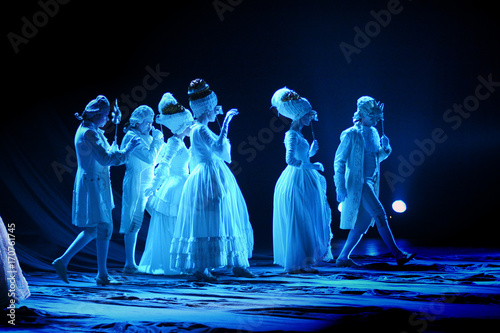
x: 37, y: 175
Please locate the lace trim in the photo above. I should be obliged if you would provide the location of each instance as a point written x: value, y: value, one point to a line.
x: 190, y: 254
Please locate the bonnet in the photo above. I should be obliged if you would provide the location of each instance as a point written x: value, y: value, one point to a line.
x: 290, y: 104
x: 201, y: 98
x: 173, y: 115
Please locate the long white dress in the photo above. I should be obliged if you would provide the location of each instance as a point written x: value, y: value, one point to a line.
x: 301, y: 213
x: 213, y: 229
x: 172, y: 172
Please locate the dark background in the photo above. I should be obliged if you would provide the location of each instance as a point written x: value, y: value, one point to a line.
x: 427, y: 58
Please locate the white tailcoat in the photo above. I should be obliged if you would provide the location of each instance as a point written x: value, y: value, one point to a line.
x: 348, y: 166
x: 92, y: 196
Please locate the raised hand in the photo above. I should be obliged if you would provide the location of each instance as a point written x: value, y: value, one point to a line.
x: 318, y: 166
x: 384, y: 142
x: 132, y: 144
x: 157, y: 134
x: 314, y: 148
x: 230, y: 114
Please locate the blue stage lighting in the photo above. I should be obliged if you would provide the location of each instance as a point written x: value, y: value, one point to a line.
x: 399, y: 206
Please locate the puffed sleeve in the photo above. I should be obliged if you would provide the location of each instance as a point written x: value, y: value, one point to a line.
x: 168, y: 153
x: 100, y: 150
x: 291, y: 139
x: 341, y: 155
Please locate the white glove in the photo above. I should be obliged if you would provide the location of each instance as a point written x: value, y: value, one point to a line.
x: 314, y: 148
x: 114, y: 147
x: 384, y: 142
x: 149, y: 191
x: 157, y: 134
x: 229, y: 116
x: 132, y: 144
x: 318, y: 166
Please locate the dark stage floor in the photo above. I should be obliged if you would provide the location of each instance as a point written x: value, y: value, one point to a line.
x: 443, y: 290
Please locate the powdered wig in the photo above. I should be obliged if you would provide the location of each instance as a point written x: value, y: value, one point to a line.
x: 367, y: 105
x: 140, y: 114
x: 99, y: 105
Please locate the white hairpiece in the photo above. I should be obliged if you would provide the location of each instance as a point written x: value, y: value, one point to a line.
x: 290, y: 104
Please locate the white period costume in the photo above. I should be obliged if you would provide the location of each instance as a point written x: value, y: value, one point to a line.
x: 92, y: 196
x: 213, y: 229
x: 170, y: 175
x: 356, y: 144
x: 301, y: 213
x: 139, y: 173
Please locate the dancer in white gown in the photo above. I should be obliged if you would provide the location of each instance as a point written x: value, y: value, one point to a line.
x: 166, y: 189
x: 301, y: 214
x: 137, y: 178
x: 213, y: 229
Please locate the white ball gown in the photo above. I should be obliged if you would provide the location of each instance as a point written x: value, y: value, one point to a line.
x: 301, y: 213
x: 172, y: 172
x: 213, y: 229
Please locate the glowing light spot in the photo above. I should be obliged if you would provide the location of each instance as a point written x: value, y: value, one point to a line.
x: 340, y: 207
x: 399, y: 206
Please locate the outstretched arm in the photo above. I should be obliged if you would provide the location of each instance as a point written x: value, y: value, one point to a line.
x: 225, y: 126
x: 219, y: 144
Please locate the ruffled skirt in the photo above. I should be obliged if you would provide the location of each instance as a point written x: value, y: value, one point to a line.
x: 301, y: 219
x: 156, y: 256
x: 163, y: 207
x: 213, y: 229
x: 166, y: 199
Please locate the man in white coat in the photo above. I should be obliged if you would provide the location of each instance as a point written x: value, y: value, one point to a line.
x: 92, y: 196
x: 138, y: 176
x: 357, y: 170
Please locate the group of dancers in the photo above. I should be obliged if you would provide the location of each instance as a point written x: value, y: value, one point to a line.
x: 199, y: 217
